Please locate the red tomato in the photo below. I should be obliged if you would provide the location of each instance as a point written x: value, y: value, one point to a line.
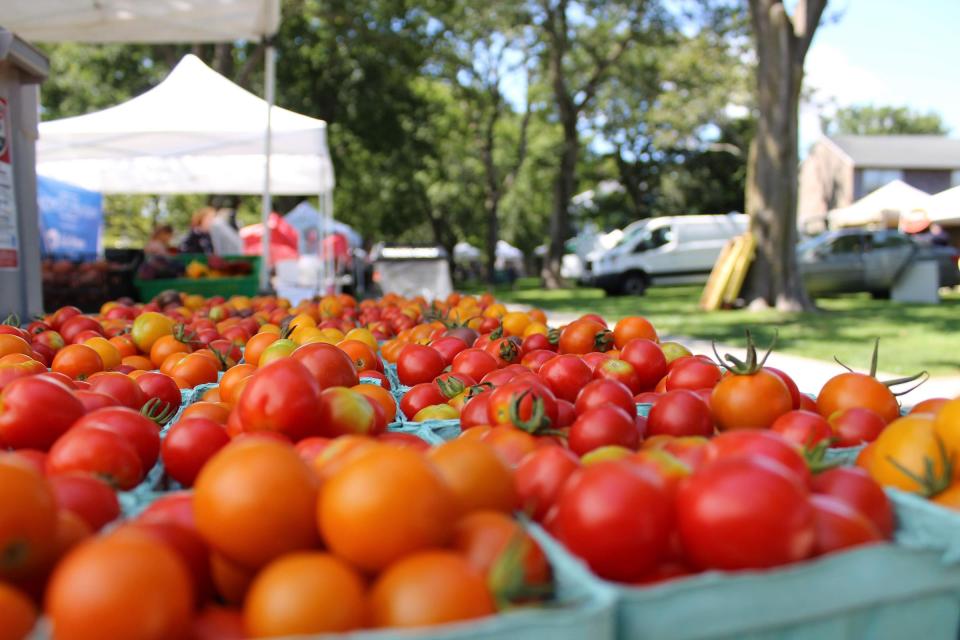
x: 621, y: 371
x: 511, y: 443
x: 282, y: 397
x: 161, y: 387
x: 310, y: 448
x: 188, y: 445
x: 760, y: 443
x: 537, y: 342
x: 504, y: 350
x: 566, y: 375
x: 749, y: 401
x: 133, y: 427
x: 71, y: 329
x: 603, y: 392
x: 87, y: 496
x: 744, y: 512
x: 35, y: 411
x: 399, y: 439
x: 527, y: 404
x: 475, y: 411
x: 679, y: 413
x: 448, y: 347
x: 99, y: 452
x: 500, y: 377
x: 647, y: 360
x: 616, y: 517
x: 603, y: 426
x: 121, y: 388
x: 839, y: 526
x: 175, y: 507
x: 566, y: 413
x: 370, y: 373
x: 855, y: 426
x: 329, y: 365
x: 419, y: 396
x: 692, y: 373
x: 791, y: 385
x: 63, y: 314
x: 540, y: 478
x: 418, y: 363
x: 802, y: 428
x: 855, y: 487
x: 186, y: 543
x: 594, y: 359
x: 342, y: 411
x: 537, y: 358
x: 476, y: 363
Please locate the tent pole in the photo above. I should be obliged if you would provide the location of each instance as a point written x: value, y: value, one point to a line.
x: 270, y: 64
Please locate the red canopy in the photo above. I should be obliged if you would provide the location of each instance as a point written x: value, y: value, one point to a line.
x: 284, y: 239
x: 336, y: 244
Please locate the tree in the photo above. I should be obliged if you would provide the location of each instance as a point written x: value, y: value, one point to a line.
x: 782, y: 43
x: 871, y: 120
x: 578, y: 58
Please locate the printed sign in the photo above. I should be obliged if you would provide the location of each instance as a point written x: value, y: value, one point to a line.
x: 9, y: 231
x: 71, y: 220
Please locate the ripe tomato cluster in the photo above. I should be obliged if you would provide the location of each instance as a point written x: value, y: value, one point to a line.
x: 300, y: 493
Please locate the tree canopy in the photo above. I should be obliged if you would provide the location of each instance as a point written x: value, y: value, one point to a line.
x: 445, y: 118
x: 869, y: 120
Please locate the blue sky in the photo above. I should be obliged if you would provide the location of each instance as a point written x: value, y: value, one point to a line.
x: 886, y: 52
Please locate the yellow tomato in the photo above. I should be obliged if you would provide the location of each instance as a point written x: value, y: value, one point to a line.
x: 332, y: 334
x: 302, y: 320
x: 269, y: 328
x: 106, y: 306
x: 193, y: 302
x: 908, y: 455
x: 364, y: 336
x: 436, y: 412
x: 495, y: 310
x: 947, y: 425
x: 515, y: 323
x: 536, y: 327
x: 107, y: 351
x: 537, y: 315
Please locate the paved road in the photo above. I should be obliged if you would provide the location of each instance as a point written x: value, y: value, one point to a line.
x: 808, y: 373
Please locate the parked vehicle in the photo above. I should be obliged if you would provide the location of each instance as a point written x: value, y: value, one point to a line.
x: 667, y: 250
x: 852, y: 260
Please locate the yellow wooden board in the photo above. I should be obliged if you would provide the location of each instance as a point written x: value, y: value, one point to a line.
x: 740, y: 267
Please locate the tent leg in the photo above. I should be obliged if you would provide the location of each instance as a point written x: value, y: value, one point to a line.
x: 270, y: 81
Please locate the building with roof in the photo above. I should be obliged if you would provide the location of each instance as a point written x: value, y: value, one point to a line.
x: 842, y: 169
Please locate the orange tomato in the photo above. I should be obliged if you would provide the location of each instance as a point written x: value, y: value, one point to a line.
x: 124, y: 345
x: 256, y: 345
x: 385, y: 489
x: 484, y: 536
x: 907, y: 455
x: 108, y: 353
x: 255, y: 501
x: 339, y: 453
x: 77, y: 361
x: 390, y: 350
x: 10, y: 343
x: 196, y: 369
x: 164, y: 346
x: 233, y: 382
x: 848, y: 390
x: 363, y: 356
x: 511, y: 443
x: 633, y: 327
x: 125, y: 586
x: 171, y: 361
x: 479, y: 478
x: 381, y: 396
x: 427, y: 588
x: 71, y: 531
x: 141, y: 363
x: 17, y: 611
x: 302, y: 594
x: 216, y: 411
x: 949, y: 498
x: 211, y: 395
x: 28, y: 518
x: 947, y: 426
x: 230, y: 579
x: 930, y: 405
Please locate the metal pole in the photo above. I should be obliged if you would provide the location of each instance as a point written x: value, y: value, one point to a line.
x: 269, y: 88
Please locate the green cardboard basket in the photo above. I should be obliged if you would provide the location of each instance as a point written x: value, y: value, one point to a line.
x: 226, y: 286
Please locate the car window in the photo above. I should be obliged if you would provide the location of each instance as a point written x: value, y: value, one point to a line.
x: 889, y: 240
x: 846, y: 244
x: 660, y: 236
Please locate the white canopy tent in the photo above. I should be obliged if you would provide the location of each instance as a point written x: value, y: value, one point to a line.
x: 169, y: 21
x: 882, y: 207
x: 944, y: 207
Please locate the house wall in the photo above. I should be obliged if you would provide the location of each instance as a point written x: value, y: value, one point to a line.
x: 826, y: 182
x: 929, y: 180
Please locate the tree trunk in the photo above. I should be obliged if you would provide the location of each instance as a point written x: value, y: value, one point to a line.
x: 493, y: 234
x: 562, y: 192
x: 771, y: 193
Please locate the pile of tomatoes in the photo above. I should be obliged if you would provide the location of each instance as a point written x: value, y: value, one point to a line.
x: 290, y: 503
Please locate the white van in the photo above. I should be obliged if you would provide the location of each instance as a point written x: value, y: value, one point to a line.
x: 667, y: 250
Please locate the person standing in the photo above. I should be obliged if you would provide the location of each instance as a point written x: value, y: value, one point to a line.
x: 198, y: 238
x: 223, y: 233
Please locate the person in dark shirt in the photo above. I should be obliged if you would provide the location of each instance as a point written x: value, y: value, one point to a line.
x: 198, y: 238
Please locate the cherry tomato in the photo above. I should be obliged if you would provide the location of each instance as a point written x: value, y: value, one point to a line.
x: 584, y: 336
x: 760, y: 443
x: 35, y: 411
x: 791, y: 385
x: 476, y: 411
x: 418, y: 363
x: 692, y: 373
x: 342, y: 411
x: 540, y: 478
x: 133, y: 427
x: 121, y: 388
x: 329, y: 365
x: 802, y: 428
x: 188, y: 445
x: 679, y: 413
x: 840, y: 526
x: 849, y: 390
x: 284, y: 397
x: 102, y: 453
x: 603, y: 392
x: 855, y: 487
x: 748, y: 401
x: 616, y: 517
x: 422, y: 395
x: 87, y: 496
x: 855, y: 426
x: 448, y: 347
x: 566, y: 375
x: 474, y: 362
x: 745, y: 512
x: 602, y: 426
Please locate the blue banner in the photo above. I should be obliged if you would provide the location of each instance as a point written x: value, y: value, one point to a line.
x: 71, y: 220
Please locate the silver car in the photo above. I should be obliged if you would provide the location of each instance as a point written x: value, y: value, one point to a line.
x: 868, y: 260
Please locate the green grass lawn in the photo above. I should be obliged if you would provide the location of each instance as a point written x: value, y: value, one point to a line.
x: 912, y: 337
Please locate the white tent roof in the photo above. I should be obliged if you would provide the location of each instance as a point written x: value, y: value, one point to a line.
x: 945, y: 206
x: 883, y: 206
x: 141, y: 20
x: 194, y: 132
x: 465, y: 251
x: 508, y: 252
